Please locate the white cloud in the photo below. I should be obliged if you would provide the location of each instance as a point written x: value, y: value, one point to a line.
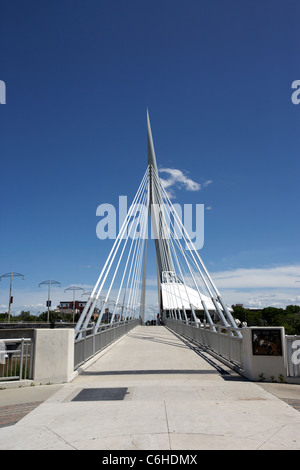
x: 177, y: 178
x: 276, y: 286
x: 279, y: 298
x: 274, y: 277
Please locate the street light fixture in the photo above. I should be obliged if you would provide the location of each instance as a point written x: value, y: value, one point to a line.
x: 11, y: 275
x: 86, y: 293
x: 49, y: 282
x: 74, y: 289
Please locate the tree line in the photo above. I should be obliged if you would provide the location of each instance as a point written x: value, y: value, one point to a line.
x: 288, y: 317
x: 25, y: 316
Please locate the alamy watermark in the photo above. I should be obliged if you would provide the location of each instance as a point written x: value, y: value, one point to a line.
x: 296, y: 94
x: 296, y: 354
x: 2, y: 92
x: 187, y: 219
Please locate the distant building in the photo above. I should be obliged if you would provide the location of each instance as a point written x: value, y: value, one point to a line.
x: 67, y: 307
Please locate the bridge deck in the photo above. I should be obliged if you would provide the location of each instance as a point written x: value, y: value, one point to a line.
x: 151, y: 391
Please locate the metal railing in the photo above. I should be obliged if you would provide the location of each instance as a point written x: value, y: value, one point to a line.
x: 16, y: 359
x: 224, y: 341
x: 91, y: 340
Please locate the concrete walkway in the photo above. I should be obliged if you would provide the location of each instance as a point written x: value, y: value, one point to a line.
x: 151, y: 391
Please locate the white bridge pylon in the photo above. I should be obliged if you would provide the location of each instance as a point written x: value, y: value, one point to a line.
x: 186, y: 291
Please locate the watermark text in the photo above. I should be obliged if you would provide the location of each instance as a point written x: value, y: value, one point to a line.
x: 185, y: 222
x: 2, y: 92
x: 296, y: 94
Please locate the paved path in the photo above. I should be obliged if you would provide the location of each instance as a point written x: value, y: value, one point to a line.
x: 151, y: 391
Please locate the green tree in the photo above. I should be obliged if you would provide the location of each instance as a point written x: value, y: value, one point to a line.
x: 269, y: 314
x: 25, y: 316
x: 239, y: 312
x: 293, y: 308
x: 289, y: 317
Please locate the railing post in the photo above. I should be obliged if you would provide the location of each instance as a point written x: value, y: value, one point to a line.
x: 21, y: 359
x: 94, y: 339
x: 84, y: 343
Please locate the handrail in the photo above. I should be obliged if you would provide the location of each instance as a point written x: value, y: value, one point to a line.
x: 16, y: 364
x: 91, y: 340
x: 207, y: 326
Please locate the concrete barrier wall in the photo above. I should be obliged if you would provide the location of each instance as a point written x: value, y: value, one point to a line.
x: 259, y: 366
x: 53, y: 355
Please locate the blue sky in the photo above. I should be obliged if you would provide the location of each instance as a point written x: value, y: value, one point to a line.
x: 216, y: 77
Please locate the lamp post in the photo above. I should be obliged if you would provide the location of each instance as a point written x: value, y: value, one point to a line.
x: 11, y: 275
x: 74, y: 289
x: 49, y: 282
x: 86, y: 293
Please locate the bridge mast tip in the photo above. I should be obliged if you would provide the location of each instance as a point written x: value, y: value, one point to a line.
x: 151, y: 152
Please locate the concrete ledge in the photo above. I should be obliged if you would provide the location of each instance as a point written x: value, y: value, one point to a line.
x: 16, y: 384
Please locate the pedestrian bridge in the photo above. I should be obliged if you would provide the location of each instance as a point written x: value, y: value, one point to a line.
x: 189, y: 302
x: 154, y: 390
x: 255, y: 353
